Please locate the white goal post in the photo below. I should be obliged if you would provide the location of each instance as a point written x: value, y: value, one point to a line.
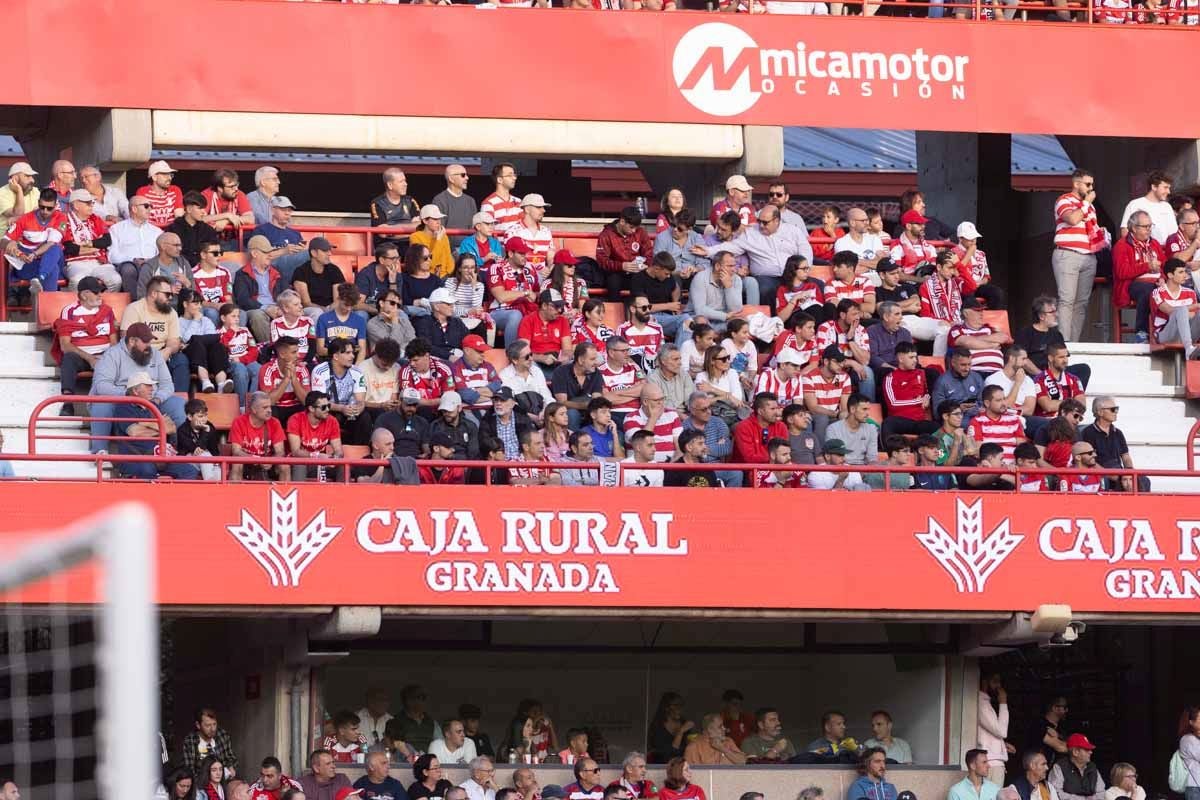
x: 120, y: 543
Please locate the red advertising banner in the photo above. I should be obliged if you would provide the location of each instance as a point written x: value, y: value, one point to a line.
x: 642, y: 548
x: 636, y: 67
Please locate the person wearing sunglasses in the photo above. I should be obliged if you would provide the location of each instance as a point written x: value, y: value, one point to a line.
x: 157, y: 310
x: 1112, y: 451
x: 458, y: 206
x: 314, y: 434
x: 213, y: 282
x: 33, y: 244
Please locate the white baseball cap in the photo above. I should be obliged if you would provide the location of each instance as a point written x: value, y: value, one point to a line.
x: 140, y: 379
x: 159, y: 167
x: 451, y: 401
x: 431, y: 211
x: 534, y: 200
x: 967, y: 230
x: 790, y: 355
x: 21, y: 168
x: 442, y: 295
x: 738, y: 182
x: 482, y: 218
x: 82, y: 196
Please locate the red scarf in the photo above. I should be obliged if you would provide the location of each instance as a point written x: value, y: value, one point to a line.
x: 945, y: 299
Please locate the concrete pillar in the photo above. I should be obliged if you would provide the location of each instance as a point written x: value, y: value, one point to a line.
x: 704, y: 183
x: 113, y: 140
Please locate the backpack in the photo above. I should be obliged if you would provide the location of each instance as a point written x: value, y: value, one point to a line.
x: 1177, y: 774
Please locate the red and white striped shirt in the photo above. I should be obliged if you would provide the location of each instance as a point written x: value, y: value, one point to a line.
x: 90, y: 331
x: 581, y: 333
x: 430, y: 385
x: 903, y: 391
x: 214, y: 286
x: 270, y: 377
x: 667, y: 428
x: 162, y: 203
x: 1082, y: 236
x: 507, y: 213
x: 979, y: 265
x: 987, y: 360
x: 831, y: 333
x: 477, y: 378
x: 807, y: 349
x: 623, y: 379
x: 910, y: 255
x: 299, y: 330
x: 1086, y: 482
x: 1065, y: 387
x: 644, y: 343
x: 1159, y: 296
x: 1033, y: 483
x: 837, y: 291
x: 240, y: 344
x: 787, y: 390
x: 510, y: 278
x: 540, y: 241
x: 828, y: 393
x: 1008, y: 431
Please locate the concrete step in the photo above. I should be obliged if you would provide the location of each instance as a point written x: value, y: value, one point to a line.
x: 19, y: 346
x: 19, y: 396
x: 1106, y: 348
x: 17, y: 328
x: 1133, y: 390
x: 32, y: 367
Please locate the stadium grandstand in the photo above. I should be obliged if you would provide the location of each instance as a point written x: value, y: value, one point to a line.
x: 800, y: 407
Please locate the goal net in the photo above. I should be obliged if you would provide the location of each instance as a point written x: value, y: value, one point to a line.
x: 79, y: 692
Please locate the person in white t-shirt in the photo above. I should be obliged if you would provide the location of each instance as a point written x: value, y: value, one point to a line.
x: 1019, y: 388
x: 1154, y: 203
x: 641, y: 445
x: 866, y: 245
x: 454, y: 747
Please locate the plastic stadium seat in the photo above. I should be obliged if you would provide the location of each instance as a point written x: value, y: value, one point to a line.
x: 51, y: 304
x: 748, y: 310
x: 348, y: 264
x: 353, y: 244
x: 578, y: 247
x: 222, y: 408
x: 356, y: 451
x: 822, y: 272
x: 614, y: 314
x: 937, y: 362
x: 496, y: 358
x: 1192, y: 379
x: 998, y: 320
x: 876, y: 413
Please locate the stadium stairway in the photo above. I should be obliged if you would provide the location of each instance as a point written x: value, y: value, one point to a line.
x: 1155, y: 416
x: 28, y: 376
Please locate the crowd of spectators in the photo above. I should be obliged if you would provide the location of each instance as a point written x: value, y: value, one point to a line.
x: 732, y: 350
x: 1047, y: 760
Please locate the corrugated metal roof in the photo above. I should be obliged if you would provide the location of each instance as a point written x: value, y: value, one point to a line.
x: 817, y: 149
x: 868, y: 150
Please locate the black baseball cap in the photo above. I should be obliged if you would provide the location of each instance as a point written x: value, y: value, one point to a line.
x: 834, y: 352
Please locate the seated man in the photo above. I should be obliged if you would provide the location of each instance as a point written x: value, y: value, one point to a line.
x: 114, y: 368
x: 767, y: 743
x: 899, y: 454
x: 577, y: 746
x: 145, y: 427
x: 346, y: 387
x: 998, y: 423
x: 286, y: 249
x: 1056, y: 382
x: 580, y: 451
x: 440, y: 328
x: 454, y: 747
x: 547, y: 331
x: 895, y: 748
x: 317, y: 279
x: 533, y: 449
x: 835, y: 456
x: 960, y: 385
x: 383, y: 445
x: 346, y: 742
x: 641, y: 451
x: 314, y: 434
x: 86, y: 241
x: 991, y: 456
x: 255, y: 435
x: 906, y: 396
x: 847, y: 332
x: 827, y: 391
x: 430, y: 377
x: 1085, y: 477
x: 83, y: 331
x: 157, y: 311
x: 833, y: 740
x: 654, y: 416
x: 343, y: 322
x: 872, y: 785
x: 929, y: 454
x: 1173, y: 308
x: 575, y: 383
x: 981, y: 339
x: 285, y: 379
x: 857, y: 433
x: 32, y: 245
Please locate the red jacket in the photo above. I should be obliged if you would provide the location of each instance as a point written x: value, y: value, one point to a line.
x: 613, y: 249
x: 750, y: 440
x: 1129, y: 262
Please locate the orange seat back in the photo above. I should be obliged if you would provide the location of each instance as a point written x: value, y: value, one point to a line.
x: 352, y: 244
x: 497, y: 358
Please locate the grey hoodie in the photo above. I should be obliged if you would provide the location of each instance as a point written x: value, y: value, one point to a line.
x: 116, y: 367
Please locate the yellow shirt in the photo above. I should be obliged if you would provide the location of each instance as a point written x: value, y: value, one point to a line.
x: 164, y: 326
x: 443, y: 259
x: 8, y: 199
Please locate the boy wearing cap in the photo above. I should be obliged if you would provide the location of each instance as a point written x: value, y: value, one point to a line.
x: 20, y: 195
x: 432, y: 233
x: 483, y: 244
x: 166, y: 201
x: 547, y: 331
x: 441, y: 330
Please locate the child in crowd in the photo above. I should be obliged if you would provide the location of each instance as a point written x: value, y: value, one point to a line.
x: 692, y: 351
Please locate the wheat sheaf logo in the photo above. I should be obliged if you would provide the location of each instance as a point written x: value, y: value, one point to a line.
x: 285, y: 551
x: 968, y: 555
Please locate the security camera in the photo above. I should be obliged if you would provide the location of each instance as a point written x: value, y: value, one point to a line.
x: 1069, y: 635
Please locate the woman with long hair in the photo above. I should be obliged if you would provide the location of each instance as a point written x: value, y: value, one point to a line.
x: 431, y: 233
x: 678, y: 784
x: 590, y: 327
x: 210, y: 779
x: 556, y: 432
x: 562, y: 279
x: 673, y: 201
x: 468, y: 291
x: 180, y: 785
x: 668, y: 731
x: 531, y: 733
x: 418, y: 280
x: 722, y: 384
x: 1189, y: 750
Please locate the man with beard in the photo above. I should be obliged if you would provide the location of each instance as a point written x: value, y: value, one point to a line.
x: 113, y: 371
x: 157, y: 311
x: 644, y: 334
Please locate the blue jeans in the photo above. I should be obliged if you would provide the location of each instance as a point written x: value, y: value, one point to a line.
x: 181, y: 371
x: 416, y: 311
x: 147, y: 471
x: 287, y: 265
x: 767, y: 284
x: 507, y: 320
x: 671, y: 324
x: 47, y: 268
x: 732, y: 478
x: 1191, y: 793
x: 245, y: 378
x: 212, y: 314
x: 865, y: 385
x: 171, y: 408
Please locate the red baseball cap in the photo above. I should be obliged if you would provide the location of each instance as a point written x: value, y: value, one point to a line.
x: 517, y: 245
x: 475, y: 342
x: 911, y: 216
x: 565, y: 257
x: 346, y: 792
x: 1079, y: 740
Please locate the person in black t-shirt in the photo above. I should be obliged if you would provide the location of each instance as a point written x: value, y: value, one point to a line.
x: 410, y: 429
x: 1045, y: 733
x: 695, y: 449
x: 1038, y: 337
x: 470, y: 714
x: 317, y: 278
x: 658, y: 284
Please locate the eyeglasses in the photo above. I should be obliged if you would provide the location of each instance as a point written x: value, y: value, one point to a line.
x: 1113, y: 409
x: 1084, y: 453
x: 47, y: 208
x: 233, y: 185
x: 722, y: 358
x: 524, y: 356
x: 322, y: 407
x: 776, y: 194
x: 388, y: 303
x: 427, y: 257
x: 619, y: 350
x: 1075, y: 415
x: 458, y: 175
x: 641, y: 308
x: 389, y: 258
x: 216, y: 252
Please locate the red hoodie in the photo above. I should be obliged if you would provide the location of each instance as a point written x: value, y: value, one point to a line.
x: 613, y: 249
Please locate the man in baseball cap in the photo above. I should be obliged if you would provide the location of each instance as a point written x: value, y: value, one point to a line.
x: 166, y: 200
x: 483, y: 244
x: 910, y: 249
x: 18, y: 196
x: 142, y: 428
x: 1077, y: 773
x: 548, y: 332
x: 86, y: 243
x: 738, y: 193
x: 440, y: 328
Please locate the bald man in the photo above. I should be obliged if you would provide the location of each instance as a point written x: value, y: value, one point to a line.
x: 169, y: 263
x: 458, y: 206
x: 62, y: 180
x: 654, y: 416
